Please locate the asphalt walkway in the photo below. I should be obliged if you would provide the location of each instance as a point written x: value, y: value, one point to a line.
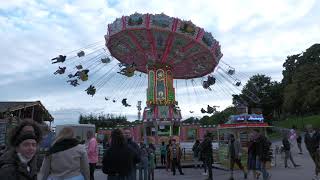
x: 278, y: 172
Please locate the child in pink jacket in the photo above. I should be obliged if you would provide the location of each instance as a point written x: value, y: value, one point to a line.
x: 92, y: 153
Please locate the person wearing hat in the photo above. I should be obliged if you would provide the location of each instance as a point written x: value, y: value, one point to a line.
x: 19, y: 162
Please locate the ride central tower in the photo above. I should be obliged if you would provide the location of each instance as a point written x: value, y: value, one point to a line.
x: 162, y: 115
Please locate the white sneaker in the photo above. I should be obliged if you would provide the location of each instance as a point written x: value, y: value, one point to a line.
x: 315, y: 177
x: 205, y: 174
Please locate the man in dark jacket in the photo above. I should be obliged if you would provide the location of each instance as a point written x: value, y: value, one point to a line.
x: 205, y: 148
x: 19, y: 163
x: 263, y: 153
x: 134, y: 147
x: 286, y: 146
x: 234, y: 155
x: 312, y: 139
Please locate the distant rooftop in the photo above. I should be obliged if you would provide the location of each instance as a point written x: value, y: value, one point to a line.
x: 11, y: 106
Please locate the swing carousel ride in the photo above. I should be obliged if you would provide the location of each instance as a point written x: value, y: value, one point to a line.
x: 153, y: 51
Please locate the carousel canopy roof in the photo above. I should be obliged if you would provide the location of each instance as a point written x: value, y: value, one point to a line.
x: 243, y: 125
x: 145, y: 39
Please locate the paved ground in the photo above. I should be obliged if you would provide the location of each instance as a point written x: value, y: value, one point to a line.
x: 305, y: 172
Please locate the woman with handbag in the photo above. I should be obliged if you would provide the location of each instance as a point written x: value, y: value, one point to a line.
x: 66, y: 159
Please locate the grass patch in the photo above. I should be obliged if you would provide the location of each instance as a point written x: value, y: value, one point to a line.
x: 299, y: 122
x: 275, y: 135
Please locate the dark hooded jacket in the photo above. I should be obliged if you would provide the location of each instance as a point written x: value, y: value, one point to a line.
x: 312, y: 141
x: 263, y: 149
x: 11, y: 168
x: 205, y: 149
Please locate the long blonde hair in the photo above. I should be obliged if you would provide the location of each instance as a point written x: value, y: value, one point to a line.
x: 65, y: 133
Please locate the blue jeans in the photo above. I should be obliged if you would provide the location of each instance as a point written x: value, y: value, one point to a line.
x: 80, y: 177
x: 143, y: 170
x: 117, y: 178
x: 133, y: 174
x: 262, y: 167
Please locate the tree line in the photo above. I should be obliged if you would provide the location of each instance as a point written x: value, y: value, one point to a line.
x: 297, y: 94
x: 104, y: 120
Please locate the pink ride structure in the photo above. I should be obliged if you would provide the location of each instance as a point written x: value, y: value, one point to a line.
x: 165, y: 48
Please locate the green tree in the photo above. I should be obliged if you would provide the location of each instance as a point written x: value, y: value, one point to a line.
x: 191, y: 120
x: 301, y: 79
x: 218, y: 117
x: 103, y: 120
x: 261, y: 92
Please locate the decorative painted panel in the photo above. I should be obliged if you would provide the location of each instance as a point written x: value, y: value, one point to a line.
x: 170, y: 87
x: 151, y: 87
x: 163, y: 112
x: 161, y: 87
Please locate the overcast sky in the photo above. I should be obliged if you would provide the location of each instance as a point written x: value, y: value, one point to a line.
x: 255, y: 37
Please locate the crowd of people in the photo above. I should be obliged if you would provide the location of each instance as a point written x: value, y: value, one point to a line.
x: 258, y: 155
x: 124, y: 159
x: 69, y: 159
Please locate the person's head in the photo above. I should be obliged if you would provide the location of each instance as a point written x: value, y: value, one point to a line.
x: 65, y: 133
x: 142, y: 145
x: 294, y: 127
x: 170, y: 141
x: 25, y: 126
x: 197, y: 141
x: 117, y: 138
x: 251, y: 136
x: 162, y: 143
x: 256, y: 133
x: 26, y: 144
x: 127, y: 133
x: 173, y: 141
x: 90, y: 134
x: 285, y: 135
x: 309, y: 128
x: 28, y: 128
x: 231, y: 137
x: 208, y: 135
x: 2, y: 147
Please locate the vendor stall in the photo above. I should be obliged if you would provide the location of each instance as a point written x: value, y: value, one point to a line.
x: 240, y: 126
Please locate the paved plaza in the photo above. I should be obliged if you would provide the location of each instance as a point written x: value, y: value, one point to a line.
x: 305, y: 172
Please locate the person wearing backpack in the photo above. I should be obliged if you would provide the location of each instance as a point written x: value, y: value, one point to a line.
x: 287, y: 150
x: 263, y: 153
